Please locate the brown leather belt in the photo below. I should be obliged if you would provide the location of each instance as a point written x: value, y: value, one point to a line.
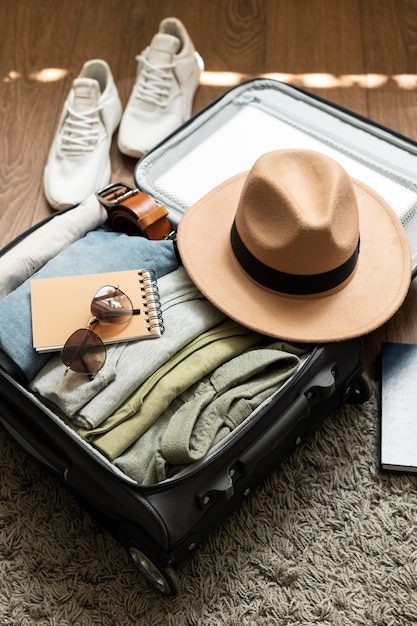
x: 130, y: 210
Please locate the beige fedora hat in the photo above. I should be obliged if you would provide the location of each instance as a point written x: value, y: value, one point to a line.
x: 297, y: 249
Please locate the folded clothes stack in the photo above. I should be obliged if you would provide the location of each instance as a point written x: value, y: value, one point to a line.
x: 97, y: 251
x: 157, y: 405
x: 208, y: 411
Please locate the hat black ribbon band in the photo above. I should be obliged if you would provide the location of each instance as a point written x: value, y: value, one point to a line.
x: 294, y: 284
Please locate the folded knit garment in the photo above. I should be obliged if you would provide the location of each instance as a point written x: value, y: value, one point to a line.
x: 208, y: 411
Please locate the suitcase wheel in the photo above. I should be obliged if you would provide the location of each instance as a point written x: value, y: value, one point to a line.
x: 163, y: 578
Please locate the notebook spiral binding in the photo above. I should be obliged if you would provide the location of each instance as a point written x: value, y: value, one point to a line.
x: 149, y: 287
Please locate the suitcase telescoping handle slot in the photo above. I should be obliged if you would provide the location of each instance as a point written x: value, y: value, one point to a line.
x: 321, y: 386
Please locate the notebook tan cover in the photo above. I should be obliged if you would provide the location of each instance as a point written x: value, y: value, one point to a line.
x: 62, y: 305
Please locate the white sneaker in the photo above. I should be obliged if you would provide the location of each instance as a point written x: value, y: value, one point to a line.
x: 78, y: 163
x: 167, y: 78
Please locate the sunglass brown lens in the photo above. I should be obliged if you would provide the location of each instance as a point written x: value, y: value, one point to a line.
x: 84, y: 352
x: 111, y: 306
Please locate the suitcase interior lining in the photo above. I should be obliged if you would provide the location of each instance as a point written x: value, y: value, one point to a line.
x: 270, y: 116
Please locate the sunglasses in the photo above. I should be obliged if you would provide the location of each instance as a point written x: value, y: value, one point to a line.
x: 84, y: 352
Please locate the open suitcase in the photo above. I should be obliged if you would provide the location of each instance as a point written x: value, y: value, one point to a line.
x: 162, y: 524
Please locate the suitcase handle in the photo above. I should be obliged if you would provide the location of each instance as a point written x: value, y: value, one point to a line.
x: 222, y: 487
x: 274, y: 435
x: 281, y: 432
x: 321, y: 386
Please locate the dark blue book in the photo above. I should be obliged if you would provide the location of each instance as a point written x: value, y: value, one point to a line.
x: 398, y: 408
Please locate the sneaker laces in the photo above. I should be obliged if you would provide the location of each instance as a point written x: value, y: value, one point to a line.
x: 154, y: 82
x: 80, y: 132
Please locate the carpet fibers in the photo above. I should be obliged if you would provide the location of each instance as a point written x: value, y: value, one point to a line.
x: 327, y: 540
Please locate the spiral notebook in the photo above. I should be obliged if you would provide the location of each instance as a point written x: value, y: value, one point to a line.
x: 62, y: 305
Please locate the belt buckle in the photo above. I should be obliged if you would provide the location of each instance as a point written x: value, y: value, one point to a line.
x: 115, y: 193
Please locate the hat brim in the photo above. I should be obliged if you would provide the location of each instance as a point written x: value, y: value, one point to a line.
x: 373, y: 294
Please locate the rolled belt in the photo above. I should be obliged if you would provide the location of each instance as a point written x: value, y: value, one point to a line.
x: 131, y: 211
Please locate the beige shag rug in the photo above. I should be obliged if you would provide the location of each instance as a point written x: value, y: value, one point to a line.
x: 327, y: 540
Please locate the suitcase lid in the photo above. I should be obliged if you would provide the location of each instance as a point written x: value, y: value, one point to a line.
x: 261, y: 115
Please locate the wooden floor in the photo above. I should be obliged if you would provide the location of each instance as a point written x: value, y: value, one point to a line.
x: 358, y: 53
